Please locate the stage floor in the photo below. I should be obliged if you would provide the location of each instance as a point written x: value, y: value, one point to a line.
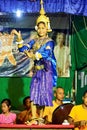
x: 35, y: 127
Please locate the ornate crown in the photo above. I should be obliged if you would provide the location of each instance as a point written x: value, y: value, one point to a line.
x: 43, y: 18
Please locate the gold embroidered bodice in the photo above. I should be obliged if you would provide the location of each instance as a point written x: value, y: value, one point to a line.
x: 39, y: 43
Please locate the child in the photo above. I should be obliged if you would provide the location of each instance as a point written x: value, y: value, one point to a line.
x: 7, y: 117
x: 25, y: 115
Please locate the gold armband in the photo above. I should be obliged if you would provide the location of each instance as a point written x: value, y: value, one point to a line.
x: 20, y: 45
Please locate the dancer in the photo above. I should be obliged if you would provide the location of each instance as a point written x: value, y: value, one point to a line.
x: 44, y: 71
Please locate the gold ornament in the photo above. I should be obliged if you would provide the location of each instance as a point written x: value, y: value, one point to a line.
x: 43, y: 18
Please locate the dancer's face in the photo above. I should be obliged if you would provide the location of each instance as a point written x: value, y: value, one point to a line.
x: 42, y: 30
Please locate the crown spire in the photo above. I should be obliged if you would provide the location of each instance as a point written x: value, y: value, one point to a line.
x: 42, y: 11
x: 43, y: 18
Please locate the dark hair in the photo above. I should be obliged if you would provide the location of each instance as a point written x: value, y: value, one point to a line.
x: 24, y: 100
x: 84, y: 93
x: 55, y: 34
x: 40, y: 23
x: 6, y: 101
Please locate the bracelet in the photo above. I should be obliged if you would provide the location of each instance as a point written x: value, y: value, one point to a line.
x: 20, y: 42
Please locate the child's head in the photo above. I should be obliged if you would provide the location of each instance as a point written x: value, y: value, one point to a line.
x: 84, y: 98
x: 5, y: 105
x: 26, y: 102
x: 59, y: 93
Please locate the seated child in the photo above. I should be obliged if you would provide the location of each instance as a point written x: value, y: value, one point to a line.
x: 7, y: 117
x: 26, y: 114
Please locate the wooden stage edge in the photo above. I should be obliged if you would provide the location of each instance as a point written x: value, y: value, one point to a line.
x: 17, y: 126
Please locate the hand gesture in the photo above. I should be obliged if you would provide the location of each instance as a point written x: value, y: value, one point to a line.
x: 14, y: 32
x: 83, y: 123
x: 29, y: 54
x: 17, y: 33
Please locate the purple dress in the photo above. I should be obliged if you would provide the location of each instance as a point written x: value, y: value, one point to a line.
x: 44, y: 79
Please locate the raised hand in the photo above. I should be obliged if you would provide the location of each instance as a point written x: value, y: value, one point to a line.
x: 14, y: 32
x: 17, y: 33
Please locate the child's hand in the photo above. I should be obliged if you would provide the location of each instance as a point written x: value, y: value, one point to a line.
x: 83, y: 123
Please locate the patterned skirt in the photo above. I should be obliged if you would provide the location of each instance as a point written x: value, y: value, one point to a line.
x: 41, y: 92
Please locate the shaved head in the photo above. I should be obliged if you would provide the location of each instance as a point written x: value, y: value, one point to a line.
x: 59, y: 93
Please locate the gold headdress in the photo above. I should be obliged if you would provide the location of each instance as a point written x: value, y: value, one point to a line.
x: 43, y: 18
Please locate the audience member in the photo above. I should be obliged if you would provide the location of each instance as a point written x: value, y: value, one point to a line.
x: 7, y: 117
x: 59, y: 95
x: 78, y: 114
x: 26, y: 114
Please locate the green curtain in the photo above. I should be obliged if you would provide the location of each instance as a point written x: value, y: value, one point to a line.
x: 79, y: 41
x: 81, y: 85
x: 79, y: 51
x: 16, y: 89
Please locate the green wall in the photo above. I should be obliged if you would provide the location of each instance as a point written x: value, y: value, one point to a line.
x: 15, y: 89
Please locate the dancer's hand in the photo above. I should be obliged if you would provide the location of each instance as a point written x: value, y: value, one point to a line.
x: 30, y: 54
x: 14, y: 32
x: 17, y: 33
